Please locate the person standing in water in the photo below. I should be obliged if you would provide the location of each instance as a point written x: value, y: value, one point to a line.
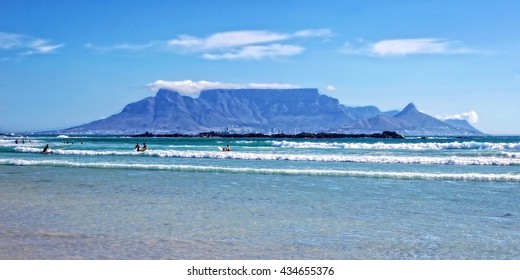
x: 137, y: 147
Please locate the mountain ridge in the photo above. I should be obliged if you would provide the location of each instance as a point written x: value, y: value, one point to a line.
x: 263, y: 111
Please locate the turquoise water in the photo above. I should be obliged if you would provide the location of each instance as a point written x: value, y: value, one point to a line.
x: 434, y: 198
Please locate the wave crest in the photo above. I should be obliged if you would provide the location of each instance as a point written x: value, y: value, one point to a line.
x: 386, y: 159
x: 506, y: 177
x: 399, y: 146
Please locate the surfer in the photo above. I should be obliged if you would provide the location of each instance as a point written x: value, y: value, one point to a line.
x: 139, y: 149
x: 226, y: 149
x: 46, y: 150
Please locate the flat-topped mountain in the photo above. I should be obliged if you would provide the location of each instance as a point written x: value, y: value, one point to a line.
x: 262, y: 111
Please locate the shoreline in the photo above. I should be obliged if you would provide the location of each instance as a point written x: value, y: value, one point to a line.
x: 302, y: 135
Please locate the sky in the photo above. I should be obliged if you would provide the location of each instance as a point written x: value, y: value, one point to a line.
x: 66, y: 63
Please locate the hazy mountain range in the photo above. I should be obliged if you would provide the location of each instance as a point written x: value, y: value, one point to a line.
x: 264, y: 111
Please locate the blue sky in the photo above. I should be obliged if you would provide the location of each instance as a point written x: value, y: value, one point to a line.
x: 65, y: 63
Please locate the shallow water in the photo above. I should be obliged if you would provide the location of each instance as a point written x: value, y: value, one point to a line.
x: 292, y: 199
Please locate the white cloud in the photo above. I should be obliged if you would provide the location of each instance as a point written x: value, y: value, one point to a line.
x: 330, y: 88
x: 404, y: 47
x: 26, y: 45
x: 325, y: 32
x: 40, y: 46
x: 9, y: 40
x: 224, y: 40
x: 231, y: 45
x: 256, y: 52
x: 189, y: 87
x: 246, y: 44
x: 409, y: 46
x: 187, y: 42
x: 232, y: 39
x: 470, y: 116
x: 121, y: 47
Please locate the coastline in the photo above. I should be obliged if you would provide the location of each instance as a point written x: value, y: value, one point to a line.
x: 302, y: 135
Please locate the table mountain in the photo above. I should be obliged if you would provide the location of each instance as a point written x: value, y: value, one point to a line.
x: 264, y: 111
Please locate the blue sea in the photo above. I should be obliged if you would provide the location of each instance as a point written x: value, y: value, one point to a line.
x: 183, y: 198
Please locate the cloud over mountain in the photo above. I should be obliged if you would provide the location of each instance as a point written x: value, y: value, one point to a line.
x: 189, y: 87
x: 470, y: 116
x: 330, y: 88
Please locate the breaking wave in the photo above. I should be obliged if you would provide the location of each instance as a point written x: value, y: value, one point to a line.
x: 504, y: 160
x: 77, y: 152
x: 399, y: 146
x: 507, y: 177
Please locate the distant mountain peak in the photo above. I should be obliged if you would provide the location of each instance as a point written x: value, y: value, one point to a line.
x: 410, y: 111
x: 410, y: 107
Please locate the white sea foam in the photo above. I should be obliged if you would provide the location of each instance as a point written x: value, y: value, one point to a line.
x: 510, y: 154
x: 78, y: 152
x: 21, y: 143
x: 244, y: 141
x: 399, y: 146
x: 452, y: 160
x: 443, y: 160
x: 505, y: 177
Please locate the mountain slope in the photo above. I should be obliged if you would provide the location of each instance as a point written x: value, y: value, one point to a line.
x: 267, y: 110
x: 411, y: 121
x: 462, y: 124
x: 264, y: 111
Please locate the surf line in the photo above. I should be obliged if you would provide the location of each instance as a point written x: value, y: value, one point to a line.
x: 501, y: 177
x: 451, y: 160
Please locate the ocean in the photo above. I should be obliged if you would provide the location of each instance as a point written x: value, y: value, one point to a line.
x: 183, y: 198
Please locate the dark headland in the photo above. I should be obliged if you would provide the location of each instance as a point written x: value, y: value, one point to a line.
x: 321, y: 135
